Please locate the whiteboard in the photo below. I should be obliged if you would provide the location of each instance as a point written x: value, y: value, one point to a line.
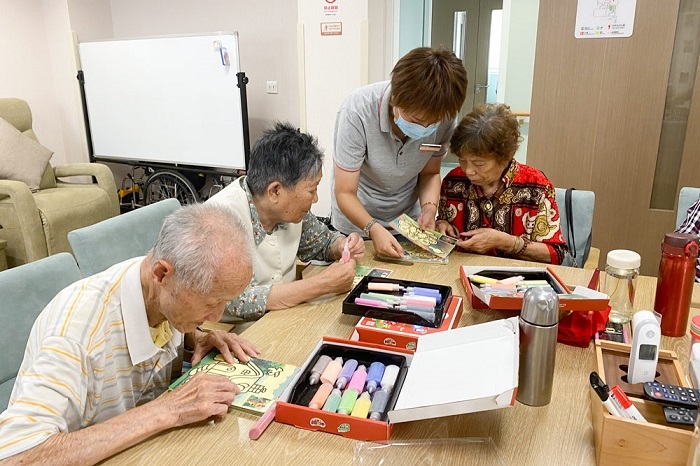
x: 165, y: 99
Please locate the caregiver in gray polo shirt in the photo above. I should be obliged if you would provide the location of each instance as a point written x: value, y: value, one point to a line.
x: 390, y: 139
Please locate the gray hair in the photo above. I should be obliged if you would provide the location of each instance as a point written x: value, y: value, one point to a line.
x: 196, y: 239
x: 283, y: 154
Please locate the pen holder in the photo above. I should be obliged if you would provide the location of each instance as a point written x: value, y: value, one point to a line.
x: 624, y: 441
x: 397, y: 315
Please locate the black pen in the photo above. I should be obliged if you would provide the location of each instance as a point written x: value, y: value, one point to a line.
x: 603, y: 392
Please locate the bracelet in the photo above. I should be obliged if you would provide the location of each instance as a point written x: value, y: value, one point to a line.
x: 523, y: 248
x: 428, y: 202
x: 369, y: 226
x: 514, y: 248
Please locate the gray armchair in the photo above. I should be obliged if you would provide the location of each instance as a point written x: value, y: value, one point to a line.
x: 36, y: 225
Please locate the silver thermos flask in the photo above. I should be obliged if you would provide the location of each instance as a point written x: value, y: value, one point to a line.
x: 539, y: 321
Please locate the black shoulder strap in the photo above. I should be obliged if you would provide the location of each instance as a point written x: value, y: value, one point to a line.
x: 570, y: 239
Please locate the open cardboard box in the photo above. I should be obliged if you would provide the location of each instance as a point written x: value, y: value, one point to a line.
x: 595, y: 300
x: 625, y: 441
x: 401, y: 335
x: 465, y: 370
x: 349, y: 306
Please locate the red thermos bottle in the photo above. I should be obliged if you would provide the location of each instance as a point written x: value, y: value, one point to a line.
x: 674, y: 288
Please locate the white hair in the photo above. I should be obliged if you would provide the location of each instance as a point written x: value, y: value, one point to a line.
x: 198, y: 239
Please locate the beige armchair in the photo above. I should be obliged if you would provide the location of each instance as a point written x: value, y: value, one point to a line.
x: 36, y: 225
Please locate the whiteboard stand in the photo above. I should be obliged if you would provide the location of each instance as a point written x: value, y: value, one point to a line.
x: 175, y: 106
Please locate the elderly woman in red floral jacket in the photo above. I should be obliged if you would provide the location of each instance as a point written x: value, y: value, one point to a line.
x: 492, y: 203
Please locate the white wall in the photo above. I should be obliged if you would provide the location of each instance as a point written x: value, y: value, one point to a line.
x: 27, y: 68
x: 267, y: 34
x: 334, y: 66
x: 518, y: 53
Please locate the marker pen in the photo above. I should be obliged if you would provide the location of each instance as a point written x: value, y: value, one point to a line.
x: 627, y: 404
x: 375, y: 286
x: 602, y: 391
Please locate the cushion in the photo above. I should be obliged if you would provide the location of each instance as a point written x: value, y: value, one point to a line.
x: 21, y: 158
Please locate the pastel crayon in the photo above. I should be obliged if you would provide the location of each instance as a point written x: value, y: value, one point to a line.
x: 318, y: 368
x: 321, y: 396
x: 345, y: 374
x: 330, y: 374
x: 333, y: 401
x: 347, y: 401
x: 362, y: 406
x: 374, y: 376
x: 357, y: 382
x: 379, y: 401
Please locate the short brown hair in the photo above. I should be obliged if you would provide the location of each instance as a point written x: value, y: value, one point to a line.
x: 432, y: 81
x: 488, y: 130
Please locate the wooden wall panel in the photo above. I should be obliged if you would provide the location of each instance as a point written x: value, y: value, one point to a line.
x: 597, y: 108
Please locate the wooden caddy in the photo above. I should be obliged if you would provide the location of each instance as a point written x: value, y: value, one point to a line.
x: 623, y: 441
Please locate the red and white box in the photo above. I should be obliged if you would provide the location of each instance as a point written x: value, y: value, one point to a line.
x: 402, y: 335
x: 465, y: 370
x: 592, y: 301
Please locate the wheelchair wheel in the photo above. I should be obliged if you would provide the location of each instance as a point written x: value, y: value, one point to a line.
x: 166, y: 184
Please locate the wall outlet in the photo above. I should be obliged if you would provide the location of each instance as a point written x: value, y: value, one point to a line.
x: 272, y: 87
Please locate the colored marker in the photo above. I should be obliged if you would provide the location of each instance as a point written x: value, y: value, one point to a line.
x: 627, y: 404
x: 332, y: 370
x: 333, y: 401
x: 374, y: 376
x: 318, y: 368
x: 321, y: 396
x: 362, y: 406
x: 345, y: 375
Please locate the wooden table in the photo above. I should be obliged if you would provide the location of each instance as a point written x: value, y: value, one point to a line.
x: 560, y: 433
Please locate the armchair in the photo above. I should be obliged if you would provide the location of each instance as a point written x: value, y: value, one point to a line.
x: 35, y: 225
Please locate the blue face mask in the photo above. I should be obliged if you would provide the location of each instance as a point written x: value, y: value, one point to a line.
x: 414, y: 130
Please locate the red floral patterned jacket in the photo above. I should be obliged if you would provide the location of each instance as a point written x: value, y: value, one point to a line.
x: 525, y: 207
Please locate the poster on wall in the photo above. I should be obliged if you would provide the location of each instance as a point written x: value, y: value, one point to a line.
x: 604, y: 19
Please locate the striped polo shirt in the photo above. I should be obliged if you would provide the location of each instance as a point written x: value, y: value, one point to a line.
x: 89, y: 357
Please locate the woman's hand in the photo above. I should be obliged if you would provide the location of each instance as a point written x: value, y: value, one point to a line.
x: 426, y: 219
x: 446, y: 228
x: 483, y: 240
x: 384, y: 242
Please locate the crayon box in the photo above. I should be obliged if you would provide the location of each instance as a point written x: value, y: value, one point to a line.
x: 393, y: 334
x: 585, y: 300
x: 465, y: 370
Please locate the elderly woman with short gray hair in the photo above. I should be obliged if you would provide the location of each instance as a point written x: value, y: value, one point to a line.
x: 274, y: 201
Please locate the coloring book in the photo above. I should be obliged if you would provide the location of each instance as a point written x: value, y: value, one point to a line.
x: 413, y: 253
x: 261, y: 381
x: 432, y: 241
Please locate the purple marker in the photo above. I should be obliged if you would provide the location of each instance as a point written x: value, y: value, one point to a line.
x: 345, y: 375
x: 374, y: 376
x: 357, y: 382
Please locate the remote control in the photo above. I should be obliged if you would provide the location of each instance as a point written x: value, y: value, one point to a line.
x: 672, y: 395
x: 676, y: 415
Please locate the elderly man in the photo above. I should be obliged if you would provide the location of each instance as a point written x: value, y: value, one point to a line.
x: 275, y: 199
x: 99, y: 354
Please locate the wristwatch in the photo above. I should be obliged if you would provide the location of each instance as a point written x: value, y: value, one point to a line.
x: 368, y: 227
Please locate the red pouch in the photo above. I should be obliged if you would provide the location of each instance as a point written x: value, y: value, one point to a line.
x: 578, y: 328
